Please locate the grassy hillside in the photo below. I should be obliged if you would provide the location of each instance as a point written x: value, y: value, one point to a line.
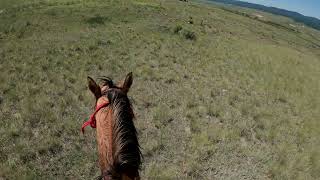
x: 217, y: 95
x: 309, y: 21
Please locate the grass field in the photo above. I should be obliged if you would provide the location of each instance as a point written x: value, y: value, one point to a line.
x: 217, y: 94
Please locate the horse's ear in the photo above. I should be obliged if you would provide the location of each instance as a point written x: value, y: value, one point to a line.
x: 127, y: 82
x: 94, y: 88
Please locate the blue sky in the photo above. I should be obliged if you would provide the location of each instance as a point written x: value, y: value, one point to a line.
x: 305, y: 7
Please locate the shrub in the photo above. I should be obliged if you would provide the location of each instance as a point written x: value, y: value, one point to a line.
x: 97, y: 20
x: 177, y: 29
x: 190, y: 35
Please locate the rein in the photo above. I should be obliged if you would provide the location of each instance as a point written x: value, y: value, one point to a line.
x: 92, y: 119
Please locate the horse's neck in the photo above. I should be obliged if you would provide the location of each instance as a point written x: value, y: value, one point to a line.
x: 104, y: 138
x: 123, y: 177
x: 105, y: 135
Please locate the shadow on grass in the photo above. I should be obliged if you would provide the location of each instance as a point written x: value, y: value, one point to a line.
x: 97, y: 20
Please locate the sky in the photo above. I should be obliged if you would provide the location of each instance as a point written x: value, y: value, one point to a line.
x: 305, y: 7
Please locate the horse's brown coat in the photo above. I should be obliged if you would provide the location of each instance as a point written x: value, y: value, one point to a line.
x: 119, y: 153
x: 104, y: 135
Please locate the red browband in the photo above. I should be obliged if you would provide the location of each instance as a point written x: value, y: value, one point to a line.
x: 92, y: 119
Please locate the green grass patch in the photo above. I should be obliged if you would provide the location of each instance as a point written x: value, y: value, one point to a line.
x: 218, y: 95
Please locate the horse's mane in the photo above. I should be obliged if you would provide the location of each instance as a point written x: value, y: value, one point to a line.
x: 125, y: 146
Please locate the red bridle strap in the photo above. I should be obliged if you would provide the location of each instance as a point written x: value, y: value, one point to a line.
x: 92, y: 119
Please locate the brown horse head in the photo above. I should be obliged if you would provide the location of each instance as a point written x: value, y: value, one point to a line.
x: 119, y: 151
